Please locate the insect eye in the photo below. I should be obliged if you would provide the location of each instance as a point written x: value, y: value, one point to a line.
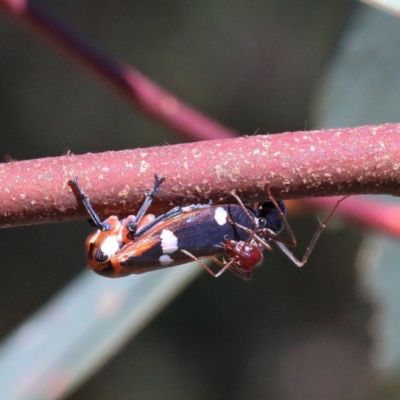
x: 262, y: 222
x: 100, y: 256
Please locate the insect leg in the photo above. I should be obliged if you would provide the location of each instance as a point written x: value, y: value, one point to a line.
x: 246, y: 211
x: 85, y: 200
x: 194, y: 258
x: 146, y: 204
x: 292, y: 239
x: 253, y: 234
x: 232, y: 267
x: 226, y: 266
x: 314, y: 240
x: 270, y: 234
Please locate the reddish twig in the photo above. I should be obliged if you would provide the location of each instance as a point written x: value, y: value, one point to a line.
x: 370, y: 214
x: 300, y: 164
x: 140, y: 91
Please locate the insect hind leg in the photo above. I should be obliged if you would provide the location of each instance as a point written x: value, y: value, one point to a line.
x: 282, y: 246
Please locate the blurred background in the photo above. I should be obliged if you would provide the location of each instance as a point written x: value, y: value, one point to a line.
x: 321, y: 332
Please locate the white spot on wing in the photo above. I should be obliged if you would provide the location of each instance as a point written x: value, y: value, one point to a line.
x: 110, y: 245
x: 220, y: 216
x: 169, y: 242
x: 165, y: 259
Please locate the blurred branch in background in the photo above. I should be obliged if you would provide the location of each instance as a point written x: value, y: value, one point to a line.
x: 140, y: 91
x: 367, y: 213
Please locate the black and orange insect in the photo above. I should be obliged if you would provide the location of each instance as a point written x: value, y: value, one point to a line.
x: 144, y: 242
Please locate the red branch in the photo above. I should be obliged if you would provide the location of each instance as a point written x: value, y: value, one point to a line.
x: 300, y: 164
x: 140, y: 91
x: 367, y: 213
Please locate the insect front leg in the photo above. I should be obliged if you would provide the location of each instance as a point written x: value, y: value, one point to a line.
x: 232, y: 267
x: 194, y: 258
x: 85, y: 200
x: 225, y: 266
x: 159, y: 179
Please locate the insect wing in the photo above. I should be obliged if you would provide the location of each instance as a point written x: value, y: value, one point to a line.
x: 200, y: 232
